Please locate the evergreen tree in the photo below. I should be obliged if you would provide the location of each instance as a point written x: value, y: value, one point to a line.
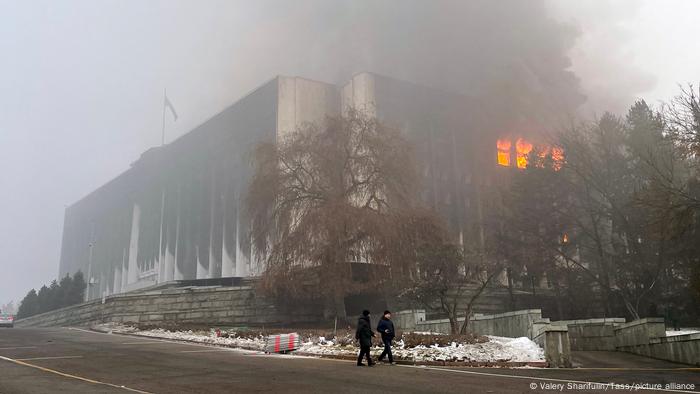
x: 54, y: 301
x: 29, y: 305
x: 65, y: 287
x: 76, y: 294
x: 43, y: 299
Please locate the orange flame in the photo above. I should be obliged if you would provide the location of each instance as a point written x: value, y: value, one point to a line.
x: 522, y: 148
x: 503, y: 153
x: 557, y: 158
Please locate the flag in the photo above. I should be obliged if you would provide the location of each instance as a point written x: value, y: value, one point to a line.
x: 168, y: 104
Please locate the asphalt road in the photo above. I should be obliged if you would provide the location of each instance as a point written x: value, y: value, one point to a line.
x: 63, y: 360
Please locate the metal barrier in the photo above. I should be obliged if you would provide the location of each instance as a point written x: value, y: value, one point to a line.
x: 282, y: 343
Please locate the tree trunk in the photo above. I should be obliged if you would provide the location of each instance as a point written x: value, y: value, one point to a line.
x: 468, y: 310
x: 465, y: 325
x: 475, y: 297
x: 511, y: 294
x: 454, y: 325
x: 339, y: 305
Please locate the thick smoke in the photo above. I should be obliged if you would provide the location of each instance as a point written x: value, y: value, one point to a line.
x: 510, y: 54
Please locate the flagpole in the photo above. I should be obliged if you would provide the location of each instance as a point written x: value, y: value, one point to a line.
x: 162, y: 139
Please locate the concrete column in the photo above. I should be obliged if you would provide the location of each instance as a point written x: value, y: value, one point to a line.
x: 555, y: 342
x: 227, y: 264
x: 227, y: 267
x: 125, y: 271
x: 202, y: 272
x: 161, y: 267
x: 241, y: 260
x: 133, y: 276
x: 159, y: 263
x: 117, y: 288
x: 177, y: 273
x: 104, y: 289
x: 360, y: 94
x: 212, y: 217
x: 169, y: 270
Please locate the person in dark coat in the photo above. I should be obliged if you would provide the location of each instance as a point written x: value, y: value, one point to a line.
x: 386, y: 328
x: 364, y: 335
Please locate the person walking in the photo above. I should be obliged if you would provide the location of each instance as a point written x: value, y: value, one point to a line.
x: 364, y: 335
x: 386, y: 328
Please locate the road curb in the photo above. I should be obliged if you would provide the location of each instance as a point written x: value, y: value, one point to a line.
x: 464, y: 364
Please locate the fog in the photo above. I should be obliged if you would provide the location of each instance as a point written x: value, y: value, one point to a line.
x: 81, y: 82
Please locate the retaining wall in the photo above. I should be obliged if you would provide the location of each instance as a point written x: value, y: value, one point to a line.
x: 639, y: 332
x: 647, y: 337
x: 591, y: 334
x: 407, y: 320
x: 510, y: 324
x: 234, y: 306
x: 680, y: 348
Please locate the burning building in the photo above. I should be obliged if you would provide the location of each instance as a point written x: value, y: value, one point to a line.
x: 177, y: 212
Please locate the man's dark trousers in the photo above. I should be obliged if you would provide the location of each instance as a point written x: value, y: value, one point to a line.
x: 387, y: 350
x: 364, y: 350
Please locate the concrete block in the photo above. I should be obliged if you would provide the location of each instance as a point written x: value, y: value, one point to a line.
x: 555, y: 342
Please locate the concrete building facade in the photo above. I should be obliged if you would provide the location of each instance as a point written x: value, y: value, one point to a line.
x: 177, y: 212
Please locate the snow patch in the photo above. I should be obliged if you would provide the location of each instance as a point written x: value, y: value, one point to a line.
x: 256, y: 343
x: 496, y: 349
x: 681, y: 332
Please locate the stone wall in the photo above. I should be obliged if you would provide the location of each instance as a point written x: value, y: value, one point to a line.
x: 509, y: 324
x: 407, y: 320
x: 591, y: 334
x: 639, y: 332
x: 213, y: 305
x: 680, y: 348
x: 647, y: 337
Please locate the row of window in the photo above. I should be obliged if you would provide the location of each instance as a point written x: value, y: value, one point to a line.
x: 506, y: 151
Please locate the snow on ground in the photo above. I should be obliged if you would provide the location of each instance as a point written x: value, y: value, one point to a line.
x: 257, y: 343
x: 497, y: 349
x: 204, y: 337
x: 681, y: 332
x: 427, y: 333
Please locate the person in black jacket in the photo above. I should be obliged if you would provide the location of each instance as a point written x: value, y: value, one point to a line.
x: 364, y: 335
x: 386, y: 328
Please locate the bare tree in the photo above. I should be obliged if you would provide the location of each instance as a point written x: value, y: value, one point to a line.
x: 682, y: 115
x: 445, y: 275
x: 327, y: 195
x: 437, y: 283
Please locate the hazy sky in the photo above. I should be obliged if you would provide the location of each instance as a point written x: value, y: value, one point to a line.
x: 81, y: 85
